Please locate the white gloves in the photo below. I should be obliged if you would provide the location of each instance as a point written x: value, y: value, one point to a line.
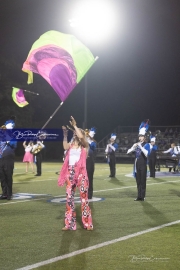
x: 110, y: 146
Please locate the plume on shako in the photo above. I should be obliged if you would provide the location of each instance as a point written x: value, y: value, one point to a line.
x: 143, y: 128
x: 113, y: 136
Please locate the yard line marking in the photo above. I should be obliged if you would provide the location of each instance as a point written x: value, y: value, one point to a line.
x: 30, y: 173
x: 136, y: 186
x: 34, y: 181
x: 110, y: 189
x: 25, y: 200
x: 69, y: 255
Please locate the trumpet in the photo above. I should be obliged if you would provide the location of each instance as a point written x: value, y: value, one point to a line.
x: 3, y: 127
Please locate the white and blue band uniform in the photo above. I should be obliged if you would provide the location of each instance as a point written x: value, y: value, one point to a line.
x: 173, y: 151
x: 38, y: 156
x: 141, y: 150
x: 152, y: 149
x: 7, y: 155
x: 111, y: 156
x: 90, y: 161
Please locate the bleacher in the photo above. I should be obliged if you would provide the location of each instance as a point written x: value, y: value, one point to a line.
x: 127, y: 136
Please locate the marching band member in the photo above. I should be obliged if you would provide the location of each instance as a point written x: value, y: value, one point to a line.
x: 36, y: 151
x: 111, y: 158
x: 173, y: 150
x: 141, y: 152
x: 7, y: 154
x: 74, y: 174
x: 152, y: 156
x: 90, y: 159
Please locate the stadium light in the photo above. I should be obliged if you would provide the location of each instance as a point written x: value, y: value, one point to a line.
x: 94, y: 20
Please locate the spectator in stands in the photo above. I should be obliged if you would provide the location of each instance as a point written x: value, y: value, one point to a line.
x: 141, y: 152
x: 173, y: 151
x: 126, y: 141
x: 176, y: 133
x: 166, y: 132
x: 111, y: 158
x: 171, y: 132
x: 152, y: 156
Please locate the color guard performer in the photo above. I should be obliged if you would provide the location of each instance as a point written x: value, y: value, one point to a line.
x: 74, y: 174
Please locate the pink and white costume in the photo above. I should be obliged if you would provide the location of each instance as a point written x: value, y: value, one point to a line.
x: 28, y: 157
x: 75, y: 176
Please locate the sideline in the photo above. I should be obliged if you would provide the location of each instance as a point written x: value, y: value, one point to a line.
x: 59, y: 258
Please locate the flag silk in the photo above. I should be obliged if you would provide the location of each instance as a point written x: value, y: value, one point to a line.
x: 61, y: 59
x: 18, y: 97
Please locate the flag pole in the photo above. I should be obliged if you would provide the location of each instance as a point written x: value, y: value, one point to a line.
x: 52, y: 115
x: 85, y: 95
x: 31, y: 92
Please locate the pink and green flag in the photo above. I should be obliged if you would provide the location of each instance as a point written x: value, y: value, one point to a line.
x: 61, y: 59
x: 18, y: 97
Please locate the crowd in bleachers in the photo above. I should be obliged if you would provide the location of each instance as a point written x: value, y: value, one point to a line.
x: 164, y: 139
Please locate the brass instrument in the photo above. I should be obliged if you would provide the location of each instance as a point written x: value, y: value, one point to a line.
x: 3, y: 127
x: 86, y: 132
x: 88, y: 136
x: 36, y: 150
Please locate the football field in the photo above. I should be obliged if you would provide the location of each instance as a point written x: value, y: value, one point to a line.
x: 127, y: 234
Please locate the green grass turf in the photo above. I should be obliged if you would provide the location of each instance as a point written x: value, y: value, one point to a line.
x: 30, y: 229
x: 156, y: 250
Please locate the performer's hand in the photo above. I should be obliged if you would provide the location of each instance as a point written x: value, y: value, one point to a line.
x: 65, y: 131
x: 135, y: 145
x: 88, y: 140
x: 72, y: 122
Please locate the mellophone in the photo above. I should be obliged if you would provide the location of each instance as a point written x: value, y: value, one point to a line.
x: 36, y: 150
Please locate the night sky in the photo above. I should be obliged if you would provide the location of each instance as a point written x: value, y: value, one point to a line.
x: 137, y: 75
